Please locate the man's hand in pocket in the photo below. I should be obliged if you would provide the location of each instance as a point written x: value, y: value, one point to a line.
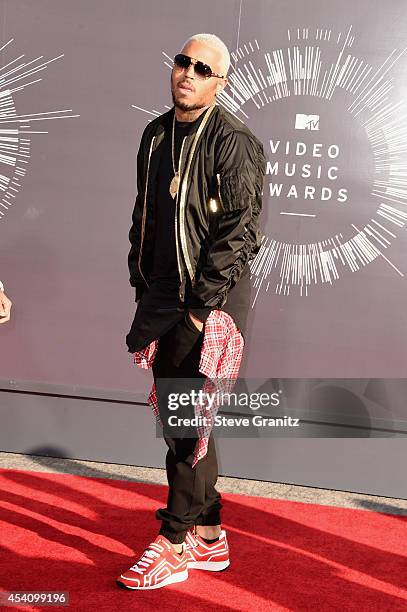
x: 199, y: 324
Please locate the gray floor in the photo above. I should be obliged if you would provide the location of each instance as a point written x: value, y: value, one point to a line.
x: 227, y: 485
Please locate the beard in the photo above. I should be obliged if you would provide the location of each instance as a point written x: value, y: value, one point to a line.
x: 184, y: 106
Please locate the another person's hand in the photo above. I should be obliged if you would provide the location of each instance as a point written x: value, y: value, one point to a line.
x: 5, y: 307
x: 199, y: 324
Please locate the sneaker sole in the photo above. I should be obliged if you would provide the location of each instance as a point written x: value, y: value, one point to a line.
x: 178, y: 577
x: 210, y: 566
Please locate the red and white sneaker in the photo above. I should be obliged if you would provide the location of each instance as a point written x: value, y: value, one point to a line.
x: 159, y: 565
x: 200, y: 555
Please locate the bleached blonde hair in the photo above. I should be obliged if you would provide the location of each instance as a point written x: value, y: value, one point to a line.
x: 213, y: 41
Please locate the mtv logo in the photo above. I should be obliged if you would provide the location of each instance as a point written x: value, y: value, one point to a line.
x: 306, y: 122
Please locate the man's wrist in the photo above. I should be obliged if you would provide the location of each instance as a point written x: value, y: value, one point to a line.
x: 197, y: 323
x: 201, y: 313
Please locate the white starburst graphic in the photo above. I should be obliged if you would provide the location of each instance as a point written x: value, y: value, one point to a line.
x: 16, y: 129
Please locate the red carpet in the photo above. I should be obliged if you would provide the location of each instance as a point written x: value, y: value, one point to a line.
x: 63, y: 532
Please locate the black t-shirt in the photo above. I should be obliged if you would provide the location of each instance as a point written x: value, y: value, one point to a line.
x: 165, y: 267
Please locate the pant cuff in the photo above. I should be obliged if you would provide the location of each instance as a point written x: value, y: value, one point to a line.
x: 174, y: 537
x: 208, y: 521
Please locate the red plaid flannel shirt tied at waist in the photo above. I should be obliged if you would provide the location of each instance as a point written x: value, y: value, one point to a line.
x: 221, y: 354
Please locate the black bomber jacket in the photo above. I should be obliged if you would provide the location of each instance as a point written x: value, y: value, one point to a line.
x: 217, y: 207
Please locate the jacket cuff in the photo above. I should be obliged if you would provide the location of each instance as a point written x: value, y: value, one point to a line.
x: 139, y: 290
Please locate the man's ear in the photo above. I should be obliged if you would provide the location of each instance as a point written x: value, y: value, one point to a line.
x: 221, y: 85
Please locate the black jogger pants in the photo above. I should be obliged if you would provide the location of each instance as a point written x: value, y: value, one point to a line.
x: 192, y: 497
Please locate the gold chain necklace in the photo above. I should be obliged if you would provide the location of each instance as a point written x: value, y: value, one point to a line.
x: 174, y: 185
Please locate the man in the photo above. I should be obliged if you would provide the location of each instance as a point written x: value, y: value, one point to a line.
x: 195, y: 228
x: 5, y: 305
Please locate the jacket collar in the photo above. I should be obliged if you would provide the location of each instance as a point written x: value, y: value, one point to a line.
x: 166, y: 124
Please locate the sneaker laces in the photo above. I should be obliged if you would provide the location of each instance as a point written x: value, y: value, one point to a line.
x: 145, y: 561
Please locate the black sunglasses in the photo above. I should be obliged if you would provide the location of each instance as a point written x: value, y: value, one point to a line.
x: 202, y: 70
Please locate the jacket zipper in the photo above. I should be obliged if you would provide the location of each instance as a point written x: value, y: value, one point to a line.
x: 144, y: 212
x: 183, y: 195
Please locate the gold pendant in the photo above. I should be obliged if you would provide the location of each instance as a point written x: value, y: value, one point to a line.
x: 174, y: 185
